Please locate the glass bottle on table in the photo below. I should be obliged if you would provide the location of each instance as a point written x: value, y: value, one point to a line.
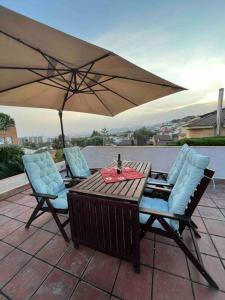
x: 119, y: 165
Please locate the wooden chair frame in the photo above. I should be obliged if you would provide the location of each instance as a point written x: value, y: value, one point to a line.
x: 184, y: 221
x: 40, y: 210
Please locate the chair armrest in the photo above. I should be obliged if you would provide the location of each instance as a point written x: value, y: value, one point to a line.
x: 163, y: 214
x: 159, y: 188
x: 46, y: 196
x: 94, y: 170
x: 159, y: 172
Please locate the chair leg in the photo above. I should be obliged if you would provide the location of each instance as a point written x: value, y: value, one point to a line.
x: 188, y: 253
x: 61, y: 228
x: 34, y: 214
x: 60, y: 225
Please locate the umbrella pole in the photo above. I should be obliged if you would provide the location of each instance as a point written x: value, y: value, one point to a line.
x: 63, y: 139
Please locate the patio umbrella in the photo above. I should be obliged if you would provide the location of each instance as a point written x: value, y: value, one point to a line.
x: 46, y: 68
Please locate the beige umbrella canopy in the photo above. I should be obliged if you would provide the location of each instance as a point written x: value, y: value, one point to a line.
x: 46, y: 68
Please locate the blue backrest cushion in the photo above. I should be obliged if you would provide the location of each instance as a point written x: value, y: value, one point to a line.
x: 43, y: 173
x: 77, y: 162
x: 187, y: 182
x: 178, y: 164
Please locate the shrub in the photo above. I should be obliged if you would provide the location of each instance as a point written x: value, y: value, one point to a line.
x: 205, y: 141
x: 59, y: 155
x: 10, y: 161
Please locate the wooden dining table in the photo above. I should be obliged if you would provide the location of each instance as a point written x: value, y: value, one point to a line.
x: 105, y: 216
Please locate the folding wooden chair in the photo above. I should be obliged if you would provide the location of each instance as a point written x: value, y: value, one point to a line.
x: 169, y: 217
x: 161, y: 178
x: 48, y: 188
x: 77, y: 164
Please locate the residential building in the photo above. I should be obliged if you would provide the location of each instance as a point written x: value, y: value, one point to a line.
x: 9, y: 136
x: 205, y: 125
x: 161, y: 139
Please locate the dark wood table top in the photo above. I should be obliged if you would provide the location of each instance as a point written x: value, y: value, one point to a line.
x: 129, y: 190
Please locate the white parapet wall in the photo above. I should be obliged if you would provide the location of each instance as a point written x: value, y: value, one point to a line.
x: 161, y: 157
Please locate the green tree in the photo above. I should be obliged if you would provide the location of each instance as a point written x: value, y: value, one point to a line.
x: 142, y: 135
x: 6, y: 121
x: 57, y: 143
x: 10, y: 161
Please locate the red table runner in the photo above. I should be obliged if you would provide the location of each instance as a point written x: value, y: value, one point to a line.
x: 110, y: 175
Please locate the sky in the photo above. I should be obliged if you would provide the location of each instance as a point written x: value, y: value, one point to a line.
x: 181, y: 41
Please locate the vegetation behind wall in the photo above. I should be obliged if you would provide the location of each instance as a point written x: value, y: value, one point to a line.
x: 10, y: 160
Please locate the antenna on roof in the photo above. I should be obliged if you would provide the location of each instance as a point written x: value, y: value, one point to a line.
x: 219, y: 111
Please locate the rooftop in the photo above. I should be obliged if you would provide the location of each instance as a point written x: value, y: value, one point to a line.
x: 206, y: 120
x: 38, y: 264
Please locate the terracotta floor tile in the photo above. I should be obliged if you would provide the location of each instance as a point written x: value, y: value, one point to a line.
x: 15, y: 198
x: 20, y: 235
x: 26, y: 282
x: 76, y: 260
x: 220, y: 202
x: 102, y: 271
x: 211, y: 213
x: 166, y: 240
x: 170, y: 287
x: 28, y: 191
x: 207, y: 202
x: 171, y: 259
x: 6, y: 206
x: 131, y: 285
x: 196, y: 213
x: 220, y: 245
x: 27, y: 200
x: 16, y: 211
x: 52, y: 226
x: 53, y: 250
x: 85, y: 291
x: 147, y: 252
x: 9, y: 227
x: 215, y: 268
x: 34, y: 243
x: 215, y: 227
x: 204, y: 243
x: 58, y: 285
x: 2, y: 297
x: 40, y: 221
x: 11, y: 264
x: 4, y: 219
x: 24, y: 217
x: 4, y: 249
x: 204, y: 293
x: 199, y: 222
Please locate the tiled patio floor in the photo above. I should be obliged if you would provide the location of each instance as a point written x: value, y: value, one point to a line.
x: 38, y: 264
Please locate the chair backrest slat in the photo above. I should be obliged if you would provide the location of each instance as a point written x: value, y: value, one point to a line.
x: 76, y: 161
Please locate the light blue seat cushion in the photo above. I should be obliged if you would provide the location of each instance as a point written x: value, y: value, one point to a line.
x: 43, y: 173
x: 187, y: 182
x: 61, y: 201
x: 76, y: 161
x: 178, y: 164
x: 155, y: 204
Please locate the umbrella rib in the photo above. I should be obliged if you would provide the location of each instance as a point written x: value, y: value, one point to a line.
x: 53, y: 86
x: 49, y: 61
x: 85, y: 76
x: 33, y: 68
x: 33, y: 48
x: 105, y: 80
x: 128, y: 100
x: 133, y: 79
x: 30, y: 82
x: 100, y: 100
x: 49, y: 79
x: 95, y: 60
